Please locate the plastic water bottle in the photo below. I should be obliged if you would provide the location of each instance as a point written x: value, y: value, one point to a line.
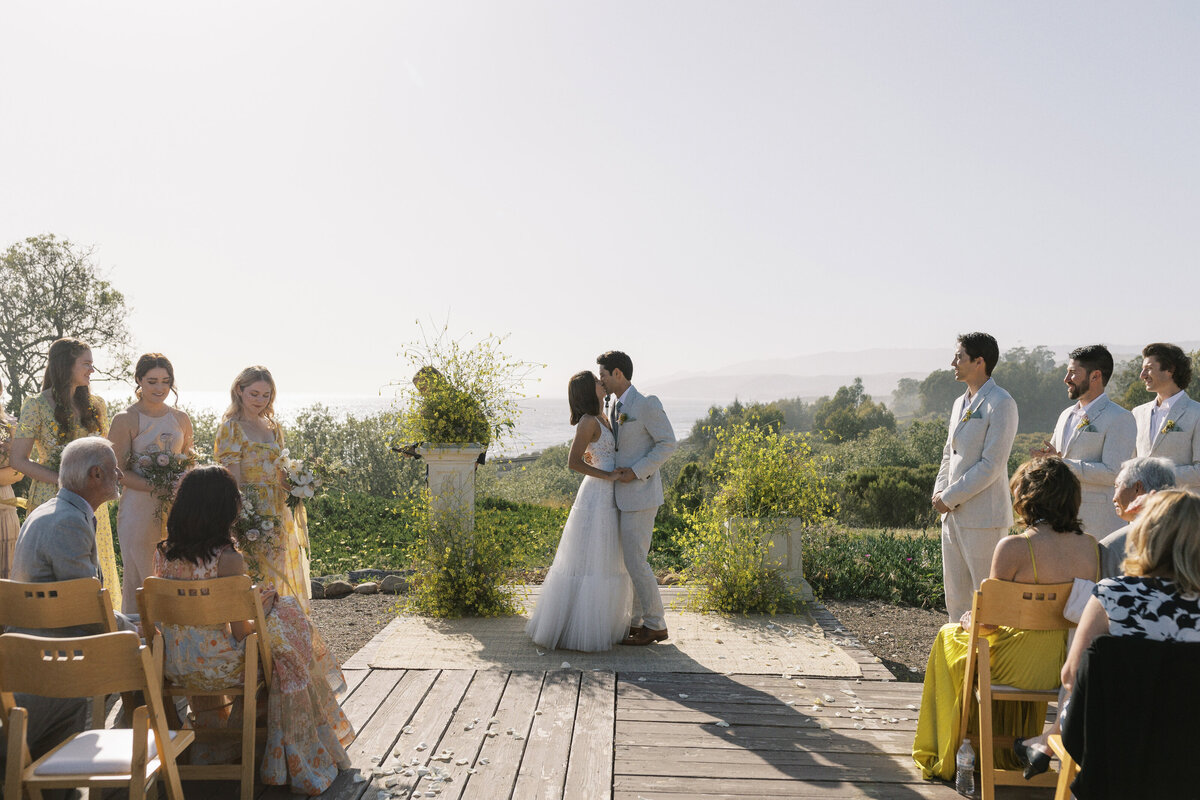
x: 964, y: 779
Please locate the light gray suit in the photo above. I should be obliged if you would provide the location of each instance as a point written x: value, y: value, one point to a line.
x: 1095, y: 454
x: 1112, y: 552
x: 645, y: 439
x: 1180, y: 445
x: 973, y: 481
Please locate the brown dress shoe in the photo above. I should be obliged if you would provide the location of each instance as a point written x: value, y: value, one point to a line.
x: 634, y: 630
x: 644, y: 637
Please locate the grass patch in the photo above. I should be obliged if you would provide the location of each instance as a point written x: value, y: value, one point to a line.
x: 901, y: 567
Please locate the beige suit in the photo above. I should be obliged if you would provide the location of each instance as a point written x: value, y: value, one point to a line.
x: 1095, y: 453
x: 645, y: 439
x: 973, y: 481
x: 1180, y: 444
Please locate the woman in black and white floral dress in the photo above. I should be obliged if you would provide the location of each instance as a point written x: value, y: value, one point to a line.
x: 1158, y: 597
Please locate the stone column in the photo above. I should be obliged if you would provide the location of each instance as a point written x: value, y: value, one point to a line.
x: 452, y: 482
x: 782, y: 539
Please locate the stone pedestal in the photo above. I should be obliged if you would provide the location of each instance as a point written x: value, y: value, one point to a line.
x: 782, y: 537
x: 452, y: 482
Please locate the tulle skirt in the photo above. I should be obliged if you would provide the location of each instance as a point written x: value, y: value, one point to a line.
x: 587, y: 596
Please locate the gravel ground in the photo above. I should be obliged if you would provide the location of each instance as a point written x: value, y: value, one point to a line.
x: 900, y: 635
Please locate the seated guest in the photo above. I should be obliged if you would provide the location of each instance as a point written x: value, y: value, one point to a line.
x: 306, y: 729
x: 1158, y: 596
x: 1137, y: 478
x: 1052, y: 549
x: 58, y: 543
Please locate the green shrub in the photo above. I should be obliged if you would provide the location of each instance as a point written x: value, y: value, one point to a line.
x: 894, y: 497
x: 761, y: 475
x: 885, y: 565
x: 353, y: 530
x: 462, y: 572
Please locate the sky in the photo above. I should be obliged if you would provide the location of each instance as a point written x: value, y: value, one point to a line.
x: 697, y: 183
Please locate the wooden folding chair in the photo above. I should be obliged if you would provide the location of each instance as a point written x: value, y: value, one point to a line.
x: 1027, y: 606
x: 1067, y: 770
x: 217, y: 601
x: 88, y: 665
x: 59, y: 604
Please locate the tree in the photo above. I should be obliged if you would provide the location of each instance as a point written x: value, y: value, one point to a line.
x: 52, y: 289
x: 1033, y: 380
x: 850, y: 413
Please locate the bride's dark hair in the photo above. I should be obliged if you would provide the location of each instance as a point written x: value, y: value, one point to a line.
x: 581, y: 396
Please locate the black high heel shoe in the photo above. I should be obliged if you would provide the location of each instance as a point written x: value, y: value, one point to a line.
x: 1035, y: 761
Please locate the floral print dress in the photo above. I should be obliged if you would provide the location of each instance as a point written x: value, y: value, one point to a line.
x: 282, y: 560
x: 307, y: 733
x: 37, y: 422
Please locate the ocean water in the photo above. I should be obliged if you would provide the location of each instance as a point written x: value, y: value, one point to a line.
x: 544, y: 422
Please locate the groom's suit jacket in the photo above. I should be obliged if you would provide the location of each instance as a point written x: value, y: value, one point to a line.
x: 1095, y: 454
x: 973, y: 478
x: 644, y: 441
x: 1181, y: 444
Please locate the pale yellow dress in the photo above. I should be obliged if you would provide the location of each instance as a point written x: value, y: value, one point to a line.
x: 283, y: 562
x: 37, y: 422
x: 10, y: 524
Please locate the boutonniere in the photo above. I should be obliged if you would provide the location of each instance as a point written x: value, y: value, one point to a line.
x: 622, y: 418
x: 1085, y: 424
x: 1167, y: 427
x: 976, y: 414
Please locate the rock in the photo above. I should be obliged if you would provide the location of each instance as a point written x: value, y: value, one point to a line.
x: 394, y: 584
x: 318, y: 590
x: 670, y: 579
x: 338, y: 589
x: 370, y: 587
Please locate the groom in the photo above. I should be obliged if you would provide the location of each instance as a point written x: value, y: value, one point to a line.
x: 644, y: 441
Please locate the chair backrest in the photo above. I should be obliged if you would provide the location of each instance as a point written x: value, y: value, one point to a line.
x: 58, y: 604
x: 75, y: 667
x: 1134, y: 718
x: 215, y: 601
x: 1028, y: 606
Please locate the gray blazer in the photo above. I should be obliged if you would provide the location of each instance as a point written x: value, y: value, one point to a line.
x: 1095, y: 454
x: 973, y: 478
x: 644, y: 441
x: 1112, y: 552
x: 57, y: 542
x: 1181, y: 444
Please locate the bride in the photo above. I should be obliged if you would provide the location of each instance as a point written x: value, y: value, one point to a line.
x: 587, y: 595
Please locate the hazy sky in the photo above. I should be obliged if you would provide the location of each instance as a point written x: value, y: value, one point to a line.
x: 697, y: 183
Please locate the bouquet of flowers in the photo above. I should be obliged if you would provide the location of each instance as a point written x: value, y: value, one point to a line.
x: 162, y: 469
x: 6, y: 432
x: 304, y: 481
x: 254, y: 528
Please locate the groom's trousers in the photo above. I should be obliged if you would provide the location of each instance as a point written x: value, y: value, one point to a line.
x: 637, y: 527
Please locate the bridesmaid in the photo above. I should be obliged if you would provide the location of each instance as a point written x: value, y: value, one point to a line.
x: 147, y: 425
x: 66, y: 410
x: 10, y: 526
x: 248, y: 442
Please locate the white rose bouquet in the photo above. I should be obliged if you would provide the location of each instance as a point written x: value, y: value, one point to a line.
x: 305, y: 481
x: 254, y: 528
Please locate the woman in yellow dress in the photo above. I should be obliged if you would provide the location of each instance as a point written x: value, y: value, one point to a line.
x: 1053, y: 549
x: 10, y: 526
x: 248, y: 442
x: 65, y: 410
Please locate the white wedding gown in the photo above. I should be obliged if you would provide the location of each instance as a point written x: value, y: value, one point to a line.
x: 587, y: 595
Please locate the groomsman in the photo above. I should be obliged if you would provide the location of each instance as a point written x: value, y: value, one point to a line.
x: 1093, y: 437
x: 1169, y: 425
x: 971, y: 492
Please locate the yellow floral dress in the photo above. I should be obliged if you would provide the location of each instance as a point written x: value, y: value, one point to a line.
x: 283, y: 561
x: 37, y: 422
x: 10, y: 526
x: 307, y: 733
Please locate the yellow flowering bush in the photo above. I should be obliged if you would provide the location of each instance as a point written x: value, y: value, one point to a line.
x: 762, y: 477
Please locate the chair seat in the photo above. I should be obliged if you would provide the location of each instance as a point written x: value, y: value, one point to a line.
x: 104, y: 752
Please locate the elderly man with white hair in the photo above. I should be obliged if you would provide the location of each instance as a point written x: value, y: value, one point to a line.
x: 58, y: 543
x: 1138, y: 477
x: 58, y: 540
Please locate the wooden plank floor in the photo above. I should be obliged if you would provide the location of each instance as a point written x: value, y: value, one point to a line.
x: 594, y: 735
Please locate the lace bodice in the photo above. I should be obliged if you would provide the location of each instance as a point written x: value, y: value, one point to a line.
x: 604, y: 449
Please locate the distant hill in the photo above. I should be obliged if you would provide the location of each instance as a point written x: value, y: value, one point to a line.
x: 817, y: 374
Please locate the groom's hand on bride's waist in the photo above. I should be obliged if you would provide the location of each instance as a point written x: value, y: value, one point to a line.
x: 626, y: 475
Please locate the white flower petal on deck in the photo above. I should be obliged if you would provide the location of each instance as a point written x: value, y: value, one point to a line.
x: 565, y: 665
x: 485, y: 761
x: 375, y: 759
x: 421, y: 746
x: 911, y: 707
x: 537, y: 713
x: 722, y: 723
x: 829, y: 698
x: 858, y: 726
x: 849, y: 692
x: 422, y: 772
x: 683, y: 696
x: 791, y: 702
x: 460, y: 762
x: 358, y: 778
x: 407, y: 729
